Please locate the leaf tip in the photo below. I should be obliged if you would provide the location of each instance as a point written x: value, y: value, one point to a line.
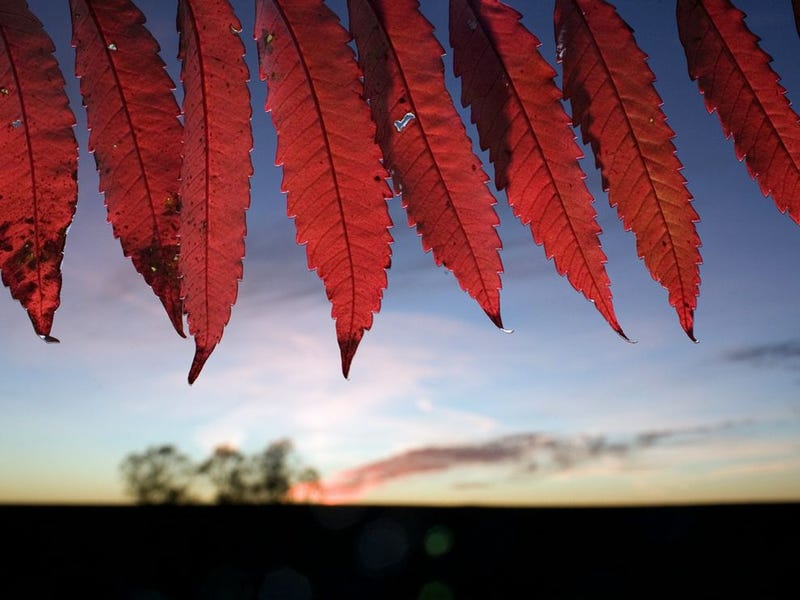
x: 494, y: 316
x: 201, y: 355
x: 42, y: 322
x: 608, y: 314
x: 173, y: 305
x: 176, y: 318
x: 347, y: 348
x: 687, y: 322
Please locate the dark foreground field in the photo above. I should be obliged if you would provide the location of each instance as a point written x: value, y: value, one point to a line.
x: 303, y: 552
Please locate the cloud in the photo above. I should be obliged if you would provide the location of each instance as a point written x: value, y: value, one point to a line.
x: 779, y: 354
x: 287, y: 381
x: 649, y: 438
x: 527, y: 453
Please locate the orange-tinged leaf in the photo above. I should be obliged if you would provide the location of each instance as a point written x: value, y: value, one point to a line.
x: 610, y: 88
x: 332, y: 172
x: 135, y: 136
x: 215, y: 186
x: 38, y: 165
x: 517, y: 109
x: 425, y: 145
x: 735, y: 78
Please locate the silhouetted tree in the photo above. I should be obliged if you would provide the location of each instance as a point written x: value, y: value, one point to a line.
x: 160, y: 475
x: 274, y: 474
x: 265, y: 478
x: 308, y: 487
x: 230, y: 472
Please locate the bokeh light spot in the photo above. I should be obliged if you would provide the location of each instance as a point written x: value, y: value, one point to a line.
x: 438, y: 541
x: 436, y: 590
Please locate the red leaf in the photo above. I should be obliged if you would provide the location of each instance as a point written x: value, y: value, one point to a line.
x: 610, y: 88
x: 215, y: 188
x: 425, y: 145
x: 332, y: 172
x: 517, y: 109
x: 38, y: 166
x: 135, y: 136
x: 735, y: 77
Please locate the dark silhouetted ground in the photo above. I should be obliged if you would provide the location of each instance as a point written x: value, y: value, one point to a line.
x: 304, y: 552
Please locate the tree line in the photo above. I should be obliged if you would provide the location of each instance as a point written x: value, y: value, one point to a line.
x: 165, y: 475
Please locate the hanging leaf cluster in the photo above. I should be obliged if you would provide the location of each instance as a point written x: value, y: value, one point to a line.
x: 176, y: 178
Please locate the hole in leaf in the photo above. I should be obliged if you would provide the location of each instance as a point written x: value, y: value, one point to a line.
x: 401, y: 124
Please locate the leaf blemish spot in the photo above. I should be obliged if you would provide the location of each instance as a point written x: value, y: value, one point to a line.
x: 401, y: 124
x: 235, y: 30
x: 16, y: 123
x: 112, y: 46
x: 266, y: 40
x: 4, y: 91
x: 472, y: 24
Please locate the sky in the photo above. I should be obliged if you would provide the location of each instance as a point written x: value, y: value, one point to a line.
x: 441, y: 407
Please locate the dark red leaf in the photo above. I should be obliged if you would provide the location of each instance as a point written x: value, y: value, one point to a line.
x: 610, y: 88
x: 215, y: 187
x: 332, y: 171
x: 135, y: 136
x: 796, y: 8
x: 735, y: 77
x: 38, y: 165
x: 517, y: 109
x: 425, y: 145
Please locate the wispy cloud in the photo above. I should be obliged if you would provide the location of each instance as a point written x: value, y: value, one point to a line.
x: 649, y: 438
x: 784, y: 354
x: 533, y: 452
x: 288, y: 383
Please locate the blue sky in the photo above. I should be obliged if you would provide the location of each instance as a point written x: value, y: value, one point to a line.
x: 441, y: 407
